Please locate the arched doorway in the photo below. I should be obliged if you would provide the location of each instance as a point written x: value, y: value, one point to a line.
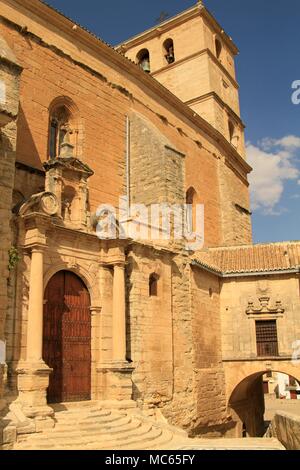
x: 67, y: 338
x: 253, y: 407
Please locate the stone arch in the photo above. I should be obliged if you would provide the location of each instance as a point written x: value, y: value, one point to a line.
x: 218, y: 47
x: 64, y: 116
x: 245, y: 395
x: 143, y: 60
x: 81, y: 272
x: 168, y: 51
x: 236, y: 373
x: 191, y: 199
x: 64, y: 101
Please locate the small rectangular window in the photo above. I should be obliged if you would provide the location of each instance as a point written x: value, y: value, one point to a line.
x: 267, y: 338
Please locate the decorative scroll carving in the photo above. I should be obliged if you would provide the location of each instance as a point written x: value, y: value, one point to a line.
x: 45, y: 203
x: 265, y: 307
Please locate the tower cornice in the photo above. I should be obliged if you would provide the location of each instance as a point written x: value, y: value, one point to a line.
x: 198, y: 10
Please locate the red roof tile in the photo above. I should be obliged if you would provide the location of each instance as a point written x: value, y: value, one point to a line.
x: 250, y: 259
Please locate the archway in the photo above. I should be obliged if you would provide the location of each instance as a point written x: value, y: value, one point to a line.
x: 247, y: 405
x: 67, y: 338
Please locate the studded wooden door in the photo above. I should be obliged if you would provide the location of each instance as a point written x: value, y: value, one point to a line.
x: 67, y: 338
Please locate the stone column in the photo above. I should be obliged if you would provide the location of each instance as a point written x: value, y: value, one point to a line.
x: 33, y: 373
x: 35, y: 310
x: 116, y: 374
x: 119, y: 315
x: 96, y: 340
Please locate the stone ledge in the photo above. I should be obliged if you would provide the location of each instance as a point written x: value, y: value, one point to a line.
x: 286, y: 426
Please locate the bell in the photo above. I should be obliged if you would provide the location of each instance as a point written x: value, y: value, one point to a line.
x: 146, y: 66
x: 170, y: 58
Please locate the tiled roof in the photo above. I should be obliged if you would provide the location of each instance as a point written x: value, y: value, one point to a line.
x: 251, y: 259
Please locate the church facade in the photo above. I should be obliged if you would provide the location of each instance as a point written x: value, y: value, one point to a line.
x: 144, y: 322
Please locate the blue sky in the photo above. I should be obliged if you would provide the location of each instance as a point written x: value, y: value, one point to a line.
x: 268, y: 36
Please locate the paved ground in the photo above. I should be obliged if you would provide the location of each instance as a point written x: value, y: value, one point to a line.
x: 273, y: 405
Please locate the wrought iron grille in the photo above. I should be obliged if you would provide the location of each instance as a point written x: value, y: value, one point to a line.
x: 267, y: 338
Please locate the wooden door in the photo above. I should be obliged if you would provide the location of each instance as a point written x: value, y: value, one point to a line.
x: 67, y: 338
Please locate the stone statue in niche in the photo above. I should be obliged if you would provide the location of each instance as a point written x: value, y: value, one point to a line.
x: 68, y: 199
x: 67, y: 177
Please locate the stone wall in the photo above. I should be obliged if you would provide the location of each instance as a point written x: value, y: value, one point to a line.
x: 9, y: 102
x: 182, y: 410
x: 149, y: 328
x: 238, y: 327
x: 286, y: 427
x: 235, y: 207
x: 209, y: 385
x: 156, y: 169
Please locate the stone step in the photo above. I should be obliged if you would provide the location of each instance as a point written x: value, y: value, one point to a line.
x: 102, y: 434
x: 162, y: 442
x: 130, y: 438
x: 134, y: 442
x: 97, y: 438
x: 110, y: 427
x: 69, y: 423
x: 62, y: 415
x: 85, y: 438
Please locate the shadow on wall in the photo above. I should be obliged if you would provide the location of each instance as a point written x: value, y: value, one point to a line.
x: 26, y: 148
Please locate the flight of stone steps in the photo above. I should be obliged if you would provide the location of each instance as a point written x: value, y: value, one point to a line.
x: 99, y: 429
x: 94, y: 428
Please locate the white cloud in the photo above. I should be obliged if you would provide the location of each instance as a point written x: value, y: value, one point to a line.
x: 274, y: 163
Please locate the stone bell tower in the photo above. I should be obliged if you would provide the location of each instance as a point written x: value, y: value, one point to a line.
x: 192, y: 56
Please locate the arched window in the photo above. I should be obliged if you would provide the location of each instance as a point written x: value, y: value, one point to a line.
x: 59, y: 129
x: 143, y: 59
x: 64, y: 127
x: 153, y: 285
x: 169, y: 51
x: 233, y: 134
x: 219, y: 48
x: 231, y: 130
x: 191, y: 209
